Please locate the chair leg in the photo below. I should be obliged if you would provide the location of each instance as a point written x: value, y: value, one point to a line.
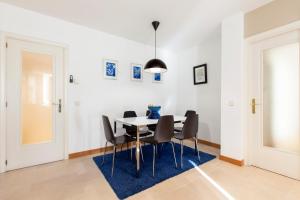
x: 161, y: 147
x: 174, y: 153
x: 153, y: 162
x: 196, y: 148
x: 158, y: 151
x: 181, y: 153
x: 113, y: 161
x: 131, y: 152
x: 142, y: 153
x: 104, y: 153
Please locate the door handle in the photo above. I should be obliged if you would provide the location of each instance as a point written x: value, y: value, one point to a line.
x: 253, y: 105
x: 58, y: 104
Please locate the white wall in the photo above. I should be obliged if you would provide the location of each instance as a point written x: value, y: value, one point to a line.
x: 205, y: 99
x: 233, y: 96
x: 94, y: 95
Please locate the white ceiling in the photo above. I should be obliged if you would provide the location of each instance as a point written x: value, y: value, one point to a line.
x: 184, y: 23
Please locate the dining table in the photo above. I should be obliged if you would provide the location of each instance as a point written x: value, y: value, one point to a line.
x: 140, y: 123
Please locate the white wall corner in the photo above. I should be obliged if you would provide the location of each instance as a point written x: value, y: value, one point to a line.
x: 233, y: 88
x: 205, y: 99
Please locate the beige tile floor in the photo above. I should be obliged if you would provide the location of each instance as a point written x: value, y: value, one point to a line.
x: 80, y: 179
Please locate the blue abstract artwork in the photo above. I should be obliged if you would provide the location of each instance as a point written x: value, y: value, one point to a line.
x: 110, y: 69
x: 137, y: 72
x: 157, y: 77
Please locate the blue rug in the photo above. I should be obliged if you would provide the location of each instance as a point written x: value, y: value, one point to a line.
x: 125, y: 183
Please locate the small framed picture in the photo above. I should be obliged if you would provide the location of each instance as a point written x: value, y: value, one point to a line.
x: 200, y: 74
x: 157, y: 77
x: 136, y: 72
x: 110, y: 69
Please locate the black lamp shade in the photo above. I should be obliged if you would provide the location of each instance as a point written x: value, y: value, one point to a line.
x: 155, y: 66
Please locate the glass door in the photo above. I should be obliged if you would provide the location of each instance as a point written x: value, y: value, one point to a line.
x: 275, y: 87
x: 34, y: 90
x: 36, y: 98
x: 281, y: 98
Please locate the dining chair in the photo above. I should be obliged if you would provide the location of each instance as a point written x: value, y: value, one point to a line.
x: 188, y: 112
x: 151, y: 127
x: 189, y: 131
x: 163, y: 134
x: 131, y: 130
x: 115, y: 141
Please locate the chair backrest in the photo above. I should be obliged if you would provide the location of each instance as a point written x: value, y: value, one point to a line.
x: 109, y: 134
x: 165, y: 129
x: 190, y: 127
x: 188, y: 112
x: 127, y: 114
x: 147, y: 113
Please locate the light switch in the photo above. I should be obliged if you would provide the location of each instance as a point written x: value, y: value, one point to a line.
x: 230, y: 103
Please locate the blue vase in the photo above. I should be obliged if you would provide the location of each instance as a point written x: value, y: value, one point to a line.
x: 154, y: 112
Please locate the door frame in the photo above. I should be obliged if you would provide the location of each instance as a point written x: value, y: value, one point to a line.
x: 248, y: 63
x: 3, y: 51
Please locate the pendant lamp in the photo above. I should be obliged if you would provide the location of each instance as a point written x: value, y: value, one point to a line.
x: 155, y: 65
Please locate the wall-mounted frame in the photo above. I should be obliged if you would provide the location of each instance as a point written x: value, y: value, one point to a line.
x: 136, y: 72
x: 157, y: 77
x: 200, y: 74
x: 110, y: 69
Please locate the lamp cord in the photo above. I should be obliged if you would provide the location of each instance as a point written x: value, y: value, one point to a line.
x: 155, y: 45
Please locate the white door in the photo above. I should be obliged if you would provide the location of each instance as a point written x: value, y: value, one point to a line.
x: 275, y: 86
x: 34, y: 95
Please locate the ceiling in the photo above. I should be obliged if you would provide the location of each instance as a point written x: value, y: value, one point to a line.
x: 184, y: 23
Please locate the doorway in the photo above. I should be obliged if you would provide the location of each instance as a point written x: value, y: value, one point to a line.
x: 34, y: 103
x: 275, y: 104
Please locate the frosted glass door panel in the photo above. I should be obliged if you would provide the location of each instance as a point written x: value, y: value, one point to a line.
x: 281, y: 98
x: 36, y: 90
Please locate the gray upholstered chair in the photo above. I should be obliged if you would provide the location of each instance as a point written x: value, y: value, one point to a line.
x: 115, y: 141
x: 163, y: 134
x: 189, y: 131
x: 131, y: 130
x: 188, y: 112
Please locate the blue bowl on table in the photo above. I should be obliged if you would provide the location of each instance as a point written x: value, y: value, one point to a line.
x: 154, y: 112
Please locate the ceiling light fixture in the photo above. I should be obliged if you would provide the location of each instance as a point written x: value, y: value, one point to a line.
x: 155, y: 65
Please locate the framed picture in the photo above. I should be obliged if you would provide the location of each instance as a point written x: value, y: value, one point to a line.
x: 157, y: 77
x: 136, y: 72
x: 200, y: 74
x: 110, y: 69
